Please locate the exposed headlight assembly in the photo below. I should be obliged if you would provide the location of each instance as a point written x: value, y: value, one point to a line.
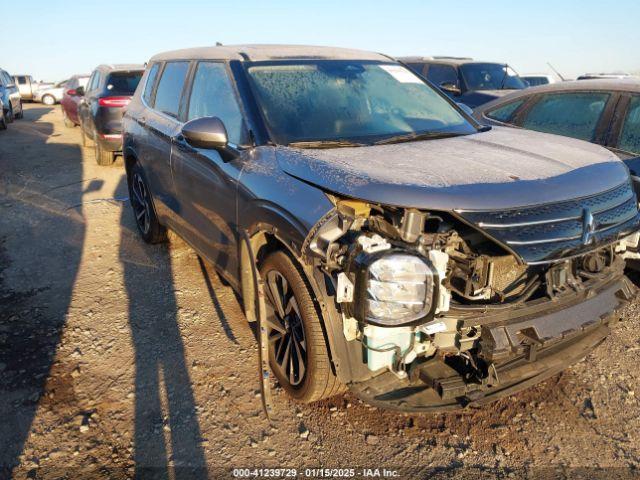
x: 395, y: 288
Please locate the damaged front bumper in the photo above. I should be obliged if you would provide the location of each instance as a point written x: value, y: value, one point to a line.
x: 526, y: 349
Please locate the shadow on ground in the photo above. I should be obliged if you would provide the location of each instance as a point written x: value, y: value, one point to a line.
x: 35, y: 227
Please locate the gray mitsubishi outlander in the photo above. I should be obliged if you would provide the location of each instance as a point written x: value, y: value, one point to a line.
x: 382, y: 239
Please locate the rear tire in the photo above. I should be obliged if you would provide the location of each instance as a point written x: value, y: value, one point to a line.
x: 67, y: 123
x: 299, y: 330
x: 3, y: 118
x: 103, y: 157
x: 144, y: 212
x: 49, y: 100
x: 20, y: 115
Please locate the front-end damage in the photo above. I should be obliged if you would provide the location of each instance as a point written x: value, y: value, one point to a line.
x: 436, y: 312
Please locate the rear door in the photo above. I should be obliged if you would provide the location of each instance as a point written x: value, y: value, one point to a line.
x: 84, y: 106
x: 205, y: 183
x: 162, y: 123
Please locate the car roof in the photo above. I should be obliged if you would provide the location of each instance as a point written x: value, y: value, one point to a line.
x: 120, y: 67
x: 267, y: 52
x: 444, y: 60
x: 631, y: 85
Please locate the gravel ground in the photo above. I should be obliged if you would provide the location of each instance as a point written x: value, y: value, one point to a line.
x: 119, y: 358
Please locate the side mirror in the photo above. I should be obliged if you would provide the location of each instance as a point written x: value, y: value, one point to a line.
x: 79, y: 92
x: 450, y: 88
x: 206, y: 132
x: 465, y: 108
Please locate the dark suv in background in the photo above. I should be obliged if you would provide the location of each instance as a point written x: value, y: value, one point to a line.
x: 466, y: 80
x: 101, y: 105
x: 382, y: 238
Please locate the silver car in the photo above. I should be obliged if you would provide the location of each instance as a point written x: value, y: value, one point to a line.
x: 50, y: 95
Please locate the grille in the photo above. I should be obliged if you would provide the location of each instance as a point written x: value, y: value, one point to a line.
x: 551, y: 232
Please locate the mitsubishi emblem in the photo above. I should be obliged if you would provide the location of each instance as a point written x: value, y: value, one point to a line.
x: 588, y: 226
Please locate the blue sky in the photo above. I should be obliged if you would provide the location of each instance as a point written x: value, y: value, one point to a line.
x: 53, y: 39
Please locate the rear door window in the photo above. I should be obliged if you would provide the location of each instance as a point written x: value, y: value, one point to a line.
x: 213, y: 95
x: 148, y: 86
x: 573, y: 114
x: 440, y: 74
x: 630, y: 134
x: 504, y: 113
x: 169, y: 89
x: 123, y: 83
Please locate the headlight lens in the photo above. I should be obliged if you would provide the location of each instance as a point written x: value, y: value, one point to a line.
x: 399, y: 289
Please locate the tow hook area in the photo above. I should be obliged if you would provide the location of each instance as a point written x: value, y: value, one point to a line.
x: 467, y: 380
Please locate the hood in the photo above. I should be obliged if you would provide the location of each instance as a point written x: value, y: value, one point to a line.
x: 476, y: 98
x: 499, y: 169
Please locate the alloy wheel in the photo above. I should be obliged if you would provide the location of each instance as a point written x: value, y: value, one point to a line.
x: 287, y: 342
x: 140, y: 203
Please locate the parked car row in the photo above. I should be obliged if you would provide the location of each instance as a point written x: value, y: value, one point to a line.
x: 385, y: 240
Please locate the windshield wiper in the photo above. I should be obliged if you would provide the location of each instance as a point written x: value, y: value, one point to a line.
x: 412, y: 137
x: 326, y: 144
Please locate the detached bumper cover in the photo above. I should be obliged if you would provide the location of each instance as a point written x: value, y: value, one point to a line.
x: 525, y: 352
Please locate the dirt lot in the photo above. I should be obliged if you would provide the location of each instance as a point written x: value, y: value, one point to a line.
x: 119, y: 358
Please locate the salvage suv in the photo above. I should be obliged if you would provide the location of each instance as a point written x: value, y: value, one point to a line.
x: 383, y: 240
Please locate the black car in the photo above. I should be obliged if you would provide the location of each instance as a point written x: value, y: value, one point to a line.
x: 465, y: 80
x: 10, y: 100
x: 384, y: 240
x: 100, y: 110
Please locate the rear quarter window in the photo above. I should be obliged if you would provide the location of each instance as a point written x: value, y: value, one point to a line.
x: 504, y: 113
x: 170, y: 87
x: 148, y: 86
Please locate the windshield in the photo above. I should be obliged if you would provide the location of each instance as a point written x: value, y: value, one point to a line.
x: 349, y: 101
x: 491, y: 76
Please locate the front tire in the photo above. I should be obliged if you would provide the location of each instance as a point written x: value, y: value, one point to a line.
x: 3, y: 118
x: 297, y: 350
x: 49, y: 100
x: 144, y: 213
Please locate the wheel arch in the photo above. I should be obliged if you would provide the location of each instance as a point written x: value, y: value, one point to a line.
x: 255, y: 246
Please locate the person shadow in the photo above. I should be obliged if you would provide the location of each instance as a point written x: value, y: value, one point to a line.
x: 167, y: 437
x: 41, y: 242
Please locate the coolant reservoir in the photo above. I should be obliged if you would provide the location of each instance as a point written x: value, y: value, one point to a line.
x: 382, y: 339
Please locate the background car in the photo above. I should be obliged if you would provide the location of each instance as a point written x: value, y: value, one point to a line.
x: 537, y: 79
x: 51, y: 95
x: 604, y: 76
x: 26, y: 85
x: 71, y: 99
x: 465, y: 80
x: 605, y: 112
x: 100, y: 109
x: 10, y: 99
